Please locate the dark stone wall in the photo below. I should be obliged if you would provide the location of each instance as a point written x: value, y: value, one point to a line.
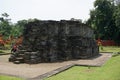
x: 51, y: 41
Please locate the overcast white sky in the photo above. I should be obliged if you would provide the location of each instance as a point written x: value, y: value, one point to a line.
x: 46, y: 9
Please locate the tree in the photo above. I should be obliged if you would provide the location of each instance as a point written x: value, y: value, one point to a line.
x: 117, y: 22
x: 5, y: 27
x: 17, y: 29
x: 101, y: 19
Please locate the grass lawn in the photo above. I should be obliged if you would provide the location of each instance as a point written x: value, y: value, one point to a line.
x: 109, y: 71
x: 110, y: 49
x: 4, y: 51
x: 8, y: 78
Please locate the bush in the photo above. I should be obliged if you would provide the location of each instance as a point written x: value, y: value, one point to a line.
x: 7, y: 46
x: 1, y: 52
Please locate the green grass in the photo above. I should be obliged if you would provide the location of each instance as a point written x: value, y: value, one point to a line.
x: 110, y: 49
x: 4, y: 51
x: 8, y: 78
x: 109, y: 71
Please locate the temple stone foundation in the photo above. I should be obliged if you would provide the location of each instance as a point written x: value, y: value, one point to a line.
x: 53, y: 41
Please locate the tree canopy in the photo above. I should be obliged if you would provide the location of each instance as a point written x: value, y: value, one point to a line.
x: 5, y: 25
x: 105, y: 19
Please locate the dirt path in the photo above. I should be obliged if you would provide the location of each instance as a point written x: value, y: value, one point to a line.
x: 31, y: 71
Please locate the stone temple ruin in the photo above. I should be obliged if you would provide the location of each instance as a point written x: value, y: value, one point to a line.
x: 52, y: 41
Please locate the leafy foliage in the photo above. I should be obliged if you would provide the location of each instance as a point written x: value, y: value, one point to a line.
x: 8, y: 29
x: 17, y: 28
x: 117, y: 22
x: 5, y: 27
x: 105, y: 18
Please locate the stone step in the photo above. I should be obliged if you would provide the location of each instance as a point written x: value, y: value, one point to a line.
x: 17, y: 62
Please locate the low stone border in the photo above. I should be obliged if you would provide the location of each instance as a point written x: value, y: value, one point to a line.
x: 61, y: 69
x: 54, y: 72
x: 51, y: 73
x: 106, y: 52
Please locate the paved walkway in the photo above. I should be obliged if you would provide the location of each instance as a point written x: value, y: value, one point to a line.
x: 42, y: 70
